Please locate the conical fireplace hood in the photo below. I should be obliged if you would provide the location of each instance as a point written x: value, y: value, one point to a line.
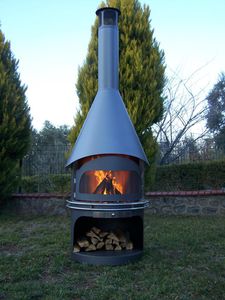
x: 107, y: 128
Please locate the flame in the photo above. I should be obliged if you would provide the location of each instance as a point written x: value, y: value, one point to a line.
x: 100, y: 175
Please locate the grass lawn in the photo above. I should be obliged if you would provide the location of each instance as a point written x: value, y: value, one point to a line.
x: 184, y: 258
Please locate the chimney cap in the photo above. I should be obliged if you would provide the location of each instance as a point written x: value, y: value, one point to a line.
x: 98, y: 11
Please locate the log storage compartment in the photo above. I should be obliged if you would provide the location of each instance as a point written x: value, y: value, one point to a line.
x: 111, y: 241
x: 107, y: 162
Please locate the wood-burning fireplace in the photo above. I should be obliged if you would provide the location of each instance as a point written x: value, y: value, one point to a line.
x: 107, y: 205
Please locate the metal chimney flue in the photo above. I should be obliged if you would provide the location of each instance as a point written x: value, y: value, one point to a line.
x: 107, y: 128
x: 108, y: 48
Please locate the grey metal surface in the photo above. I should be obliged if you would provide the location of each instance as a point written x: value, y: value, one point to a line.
x: 123, y: 204
x: 111, y: 258
x: 82, y: 221
x: 116, y: 210
x: 108, y: 207
x: 110, y: 163
x: 98, y: 210
x: 108, y: 56
x: 107, y: 128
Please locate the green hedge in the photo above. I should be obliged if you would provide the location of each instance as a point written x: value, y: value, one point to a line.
x: 60, y: 183
x: 191, y: 176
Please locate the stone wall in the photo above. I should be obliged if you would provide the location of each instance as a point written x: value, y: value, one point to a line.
x: 205, y: 203
x: 38, y: 204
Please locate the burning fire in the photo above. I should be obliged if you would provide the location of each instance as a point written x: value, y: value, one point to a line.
x: 106, y: 183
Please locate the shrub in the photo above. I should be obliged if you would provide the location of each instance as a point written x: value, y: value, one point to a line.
x: 191, y: 176
x: 30, y: 184
x: 59, y: 183
x: 62, y: 182
x: 15, y: 120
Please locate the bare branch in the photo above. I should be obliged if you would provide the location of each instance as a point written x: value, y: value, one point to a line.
x: 184, y: 110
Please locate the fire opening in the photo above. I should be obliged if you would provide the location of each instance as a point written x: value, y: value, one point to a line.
x: 109, y: 182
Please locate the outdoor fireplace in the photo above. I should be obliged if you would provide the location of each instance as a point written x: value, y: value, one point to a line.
x: 107, y: 205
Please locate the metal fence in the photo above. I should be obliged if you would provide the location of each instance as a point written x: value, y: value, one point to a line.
x: 47, y: 159
x: 186, y: 151
x: 43, y: 168
x: 51, y: 159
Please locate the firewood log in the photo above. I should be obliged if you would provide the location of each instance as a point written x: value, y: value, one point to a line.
x: 94, y: 241
x: 109, y: 187
x: 106, y: 186
x: 122, y: 239
x: 100, y: 245
x: 118, y: 248
x: 117, y: 192
x: 115, y: 243
x: 76, y: 248
x: 108, y: 241
x: 103, y: 234
x: 91, y: 234
x: 101, y: 187
x: 129, y: 246
x: 90, y: 248
x: 96, y: 230
x: 109, y: 247
x: 83, y: 243
x: 113, y: 237
x: 121, y: 236
x: 123, y: 245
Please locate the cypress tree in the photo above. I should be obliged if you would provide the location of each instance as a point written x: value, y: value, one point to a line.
x: 15, y: 120
x: 141, y: 73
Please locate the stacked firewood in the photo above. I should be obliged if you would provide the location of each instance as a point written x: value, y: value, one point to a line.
x: 97, y: 239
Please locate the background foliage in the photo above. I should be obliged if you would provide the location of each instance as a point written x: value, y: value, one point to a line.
x: 51, y: 183
x: 15, y: 120
x: 216, y: 111
x: 177, y: 177
x: 47, y: 152
x: 190, y: 176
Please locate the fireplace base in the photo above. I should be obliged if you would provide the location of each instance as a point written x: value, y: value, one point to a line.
x: 123, y: 216
x: 112, y: 258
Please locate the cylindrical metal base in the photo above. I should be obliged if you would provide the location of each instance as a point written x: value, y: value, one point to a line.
x: 128, y: 217
x: 111, y: 258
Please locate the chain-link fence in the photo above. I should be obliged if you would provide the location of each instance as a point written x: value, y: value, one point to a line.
x: 43, y: 169
x: 51, y: 159
x: 47, y: 159
x: 189, y: 151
